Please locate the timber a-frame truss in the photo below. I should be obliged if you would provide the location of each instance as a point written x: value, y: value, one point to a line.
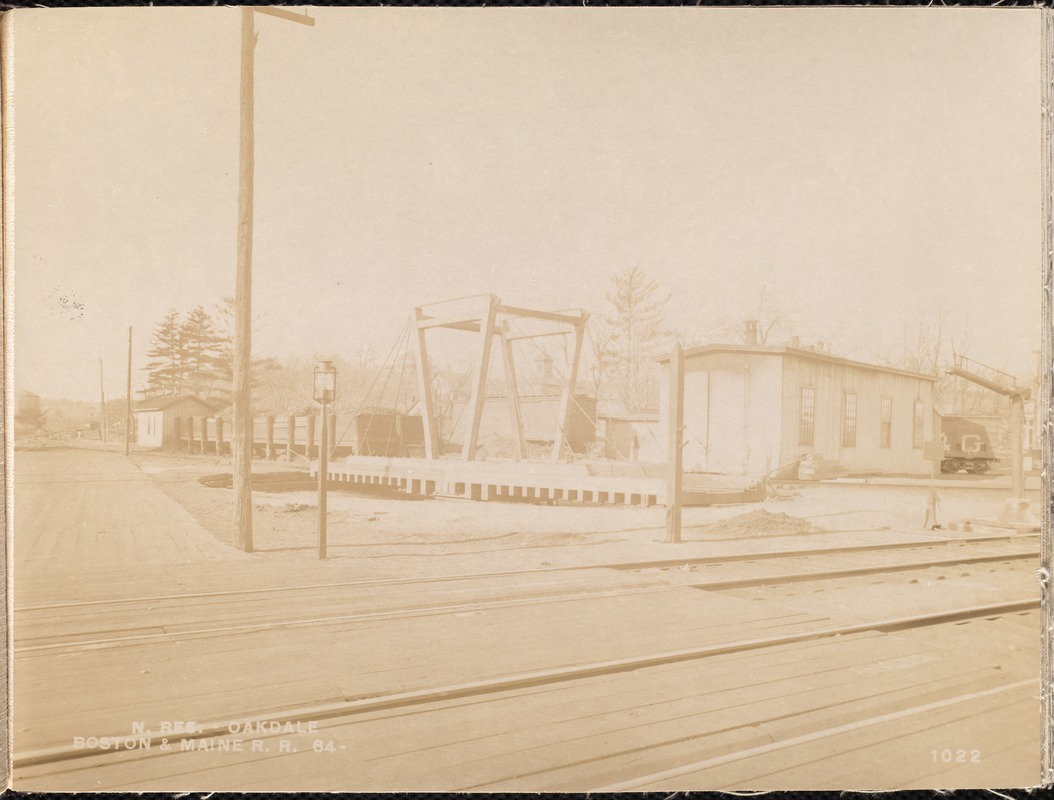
x: 492, y: 320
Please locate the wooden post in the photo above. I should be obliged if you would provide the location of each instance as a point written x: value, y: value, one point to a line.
x: 424, y: 388
x: 309, y: 438
x: 323, y: 469
x: 479, y: 385
x: 103, y: 424
x: 243, y: 434
x: 177, y: 432
x: 332, y: 431
x: 564, y: 415
x: 1017, y: 460
x: 519, y: 442
x: 204, y: 422
x: 128, y: 401
x: 269, y: 422
x: 219, y: 436
x: 290, y: 435
x: 674, y: 452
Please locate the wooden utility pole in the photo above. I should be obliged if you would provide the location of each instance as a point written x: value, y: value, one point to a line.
x: 102, y: 404
x: 323, y: 470
x: 674, y: 445
x: 242, y: 432
x: 128, y: 400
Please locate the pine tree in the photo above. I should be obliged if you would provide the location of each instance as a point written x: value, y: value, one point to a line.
x: 202, y: 350
x: 222, y: 390
x: 165, y: 368
x: 223, y: 363
x: 638, y: 332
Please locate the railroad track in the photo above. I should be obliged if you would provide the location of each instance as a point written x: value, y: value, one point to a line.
x: 422, y: 698
x: 618, y: 565
x: 223, y: 627
x: 656, y: 779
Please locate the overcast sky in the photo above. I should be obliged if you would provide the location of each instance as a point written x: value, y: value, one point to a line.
x: 871, y: 167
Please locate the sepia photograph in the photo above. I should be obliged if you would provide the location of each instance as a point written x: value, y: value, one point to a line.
x: 525, y: 399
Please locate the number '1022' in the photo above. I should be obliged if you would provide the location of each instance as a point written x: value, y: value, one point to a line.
x: 947, y: 756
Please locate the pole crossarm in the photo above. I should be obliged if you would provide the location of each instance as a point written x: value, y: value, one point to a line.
x: 282, y: 13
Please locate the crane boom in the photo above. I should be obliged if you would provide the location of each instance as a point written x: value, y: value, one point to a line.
x: 1016, y: 509
x: 998, y: 388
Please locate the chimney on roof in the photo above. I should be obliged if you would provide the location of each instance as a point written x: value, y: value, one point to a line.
x: 750, y: 332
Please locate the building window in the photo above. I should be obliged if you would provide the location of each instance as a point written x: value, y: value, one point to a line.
x: 919, y: 428
x: 849, y: 419
x: 885, y: 431
x: 807, y: 420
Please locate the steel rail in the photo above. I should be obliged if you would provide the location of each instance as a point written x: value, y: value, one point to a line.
x: 849, y: 572
x: 419, y: 697
x: 78, y: 645
x: 624, y: 565
x: 838, y: 730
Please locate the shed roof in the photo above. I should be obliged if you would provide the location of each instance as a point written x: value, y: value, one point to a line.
x: 798, y: 352
x: 166, y: 401
x: 640, y: 416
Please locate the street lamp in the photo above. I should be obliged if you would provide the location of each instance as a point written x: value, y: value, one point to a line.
x: 325, y: 392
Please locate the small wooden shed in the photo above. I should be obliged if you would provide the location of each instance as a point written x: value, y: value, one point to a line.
x: 155, y: 417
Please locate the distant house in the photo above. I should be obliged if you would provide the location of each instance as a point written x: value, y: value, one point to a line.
x: 750, y: 409
x: 155, y: 417
x: 633, y: 437
x: 540, y: 415
x: 27, y: 408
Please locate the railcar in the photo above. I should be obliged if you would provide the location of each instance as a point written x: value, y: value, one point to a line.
x: 966, y: 446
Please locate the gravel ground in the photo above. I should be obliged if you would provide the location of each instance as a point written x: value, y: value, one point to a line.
x: 444, y: 536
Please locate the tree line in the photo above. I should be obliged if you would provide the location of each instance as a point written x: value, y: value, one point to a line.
x: 193, y: 353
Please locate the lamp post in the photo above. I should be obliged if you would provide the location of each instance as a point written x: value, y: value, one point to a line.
x: 325, y: 392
